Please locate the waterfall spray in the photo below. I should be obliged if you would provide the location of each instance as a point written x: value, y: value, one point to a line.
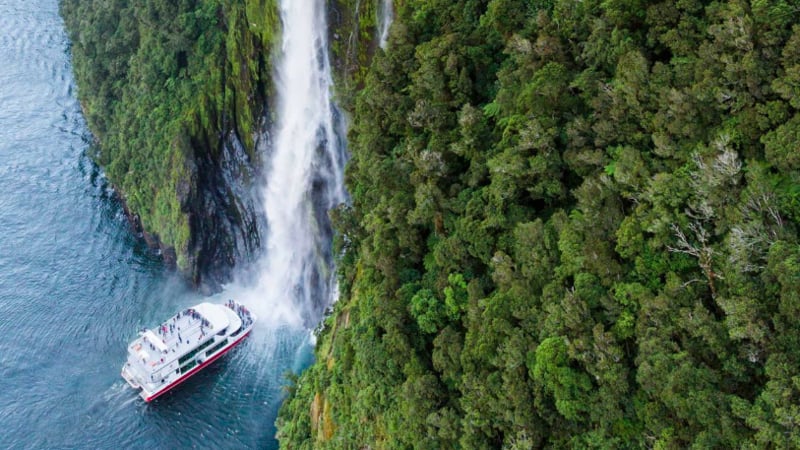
x: 304, y: 175
x: 385, y: 18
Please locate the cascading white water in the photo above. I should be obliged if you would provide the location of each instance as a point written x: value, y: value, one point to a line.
x: 304, y: 175
x: 385, y: 18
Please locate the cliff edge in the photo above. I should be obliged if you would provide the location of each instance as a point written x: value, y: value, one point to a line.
x: 176, y: 95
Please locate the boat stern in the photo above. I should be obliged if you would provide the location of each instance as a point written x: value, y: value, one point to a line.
x: 128, y: 376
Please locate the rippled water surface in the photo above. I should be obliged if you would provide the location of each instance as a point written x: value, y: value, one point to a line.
x: 75, y: 284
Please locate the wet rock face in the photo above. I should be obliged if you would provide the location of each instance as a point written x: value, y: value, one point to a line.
x: 225, y: 215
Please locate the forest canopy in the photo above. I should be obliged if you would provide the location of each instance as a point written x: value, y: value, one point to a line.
x: 574, y: 224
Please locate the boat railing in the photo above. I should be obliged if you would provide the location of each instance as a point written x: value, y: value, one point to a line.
x: 163, y: 368
x: 241, y: 311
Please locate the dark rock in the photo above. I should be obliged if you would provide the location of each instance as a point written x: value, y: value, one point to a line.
x: 225, y: 213
x: 226, y: 218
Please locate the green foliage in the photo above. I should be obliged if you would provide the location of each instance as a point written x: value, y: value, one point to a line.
x: 159, y: 83
x: 569, y: 387
x: 574, y: 225
x: 455, y: 296
x: 428, y: 310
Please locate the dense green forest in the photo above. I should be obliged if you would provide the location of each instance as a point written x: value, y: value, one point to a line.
x: 574, y: 224
x: 160, y: 82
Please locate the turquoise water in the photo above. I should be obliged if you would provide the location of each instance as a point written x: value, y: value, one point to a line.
x: 75, y: 284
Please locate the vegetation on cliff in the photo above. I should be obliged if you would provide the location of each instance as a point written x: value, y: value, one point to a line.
x: 353, y: 28
x: 161, y: 82
x: 574, y: 225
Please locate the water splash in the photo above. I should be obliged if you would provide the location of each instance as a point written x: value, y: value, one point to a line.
x: 385, y: 19
x: 304, y: 177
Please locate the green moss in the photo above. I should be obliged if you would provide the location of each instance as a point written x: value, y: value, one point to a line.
x: 160, y: 83
x: 354, y: 27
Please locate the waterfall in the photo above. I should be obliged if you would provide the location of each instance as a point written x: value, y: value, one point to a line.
x: 303, y: 175
x: 385, y: 18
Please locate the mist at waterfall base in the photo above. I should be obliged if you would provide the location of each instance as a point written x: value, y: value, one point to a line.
x: 75, y: 284
x: 294, y: 282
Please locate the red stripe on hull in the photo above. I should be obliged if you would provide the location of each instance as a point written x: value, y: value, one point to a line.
x: 196, y: 369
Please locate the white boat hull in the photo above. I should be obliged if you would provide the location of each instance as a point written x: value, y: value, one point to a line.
x: 150, y: 396
x: 160, y: 360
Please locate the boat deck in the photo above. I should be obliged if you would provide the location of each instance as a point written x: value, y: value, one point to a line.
x: 153, y: 356
x: 173, y: 337
x: 162, y: 355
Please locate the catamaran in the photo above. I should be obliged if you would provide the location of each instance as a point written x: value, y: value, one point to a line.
x: 162, y: 358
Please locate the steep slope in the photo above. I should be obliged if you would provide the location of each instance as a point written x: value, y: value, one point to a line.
x: 573, y: 224
x: 174, y: 93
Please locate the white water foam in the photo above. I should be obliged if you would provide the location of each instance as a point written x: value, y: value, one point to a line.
x: 304, y: 179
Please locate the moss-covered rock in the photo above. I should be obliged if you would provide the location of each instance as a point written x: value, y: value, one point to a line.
x: 176, y: 94
x: 353, y: 40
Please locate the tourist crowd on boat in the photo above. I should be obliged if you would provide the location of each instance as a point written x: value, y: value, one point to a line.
x: 241, y: 311
x: 172, y: 330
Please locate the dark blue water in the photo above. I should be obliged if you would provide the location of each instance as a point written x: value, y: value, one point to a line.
x: 75, y: 284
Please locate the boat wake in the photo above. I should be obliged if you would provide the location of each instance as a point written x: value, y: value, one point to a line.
x: 120, y: 396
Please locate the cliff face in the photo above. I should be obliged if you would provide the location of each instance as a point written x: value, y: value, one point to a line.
x: 176, y: 95
x: 353, y: 27
x: 225, y: 218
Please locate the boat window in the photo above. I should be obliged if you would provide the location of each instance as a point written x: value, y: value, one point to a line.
x: 216, y: 347
x: 222, y: 332
x: 185, y: 368
x: 191, y: 354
